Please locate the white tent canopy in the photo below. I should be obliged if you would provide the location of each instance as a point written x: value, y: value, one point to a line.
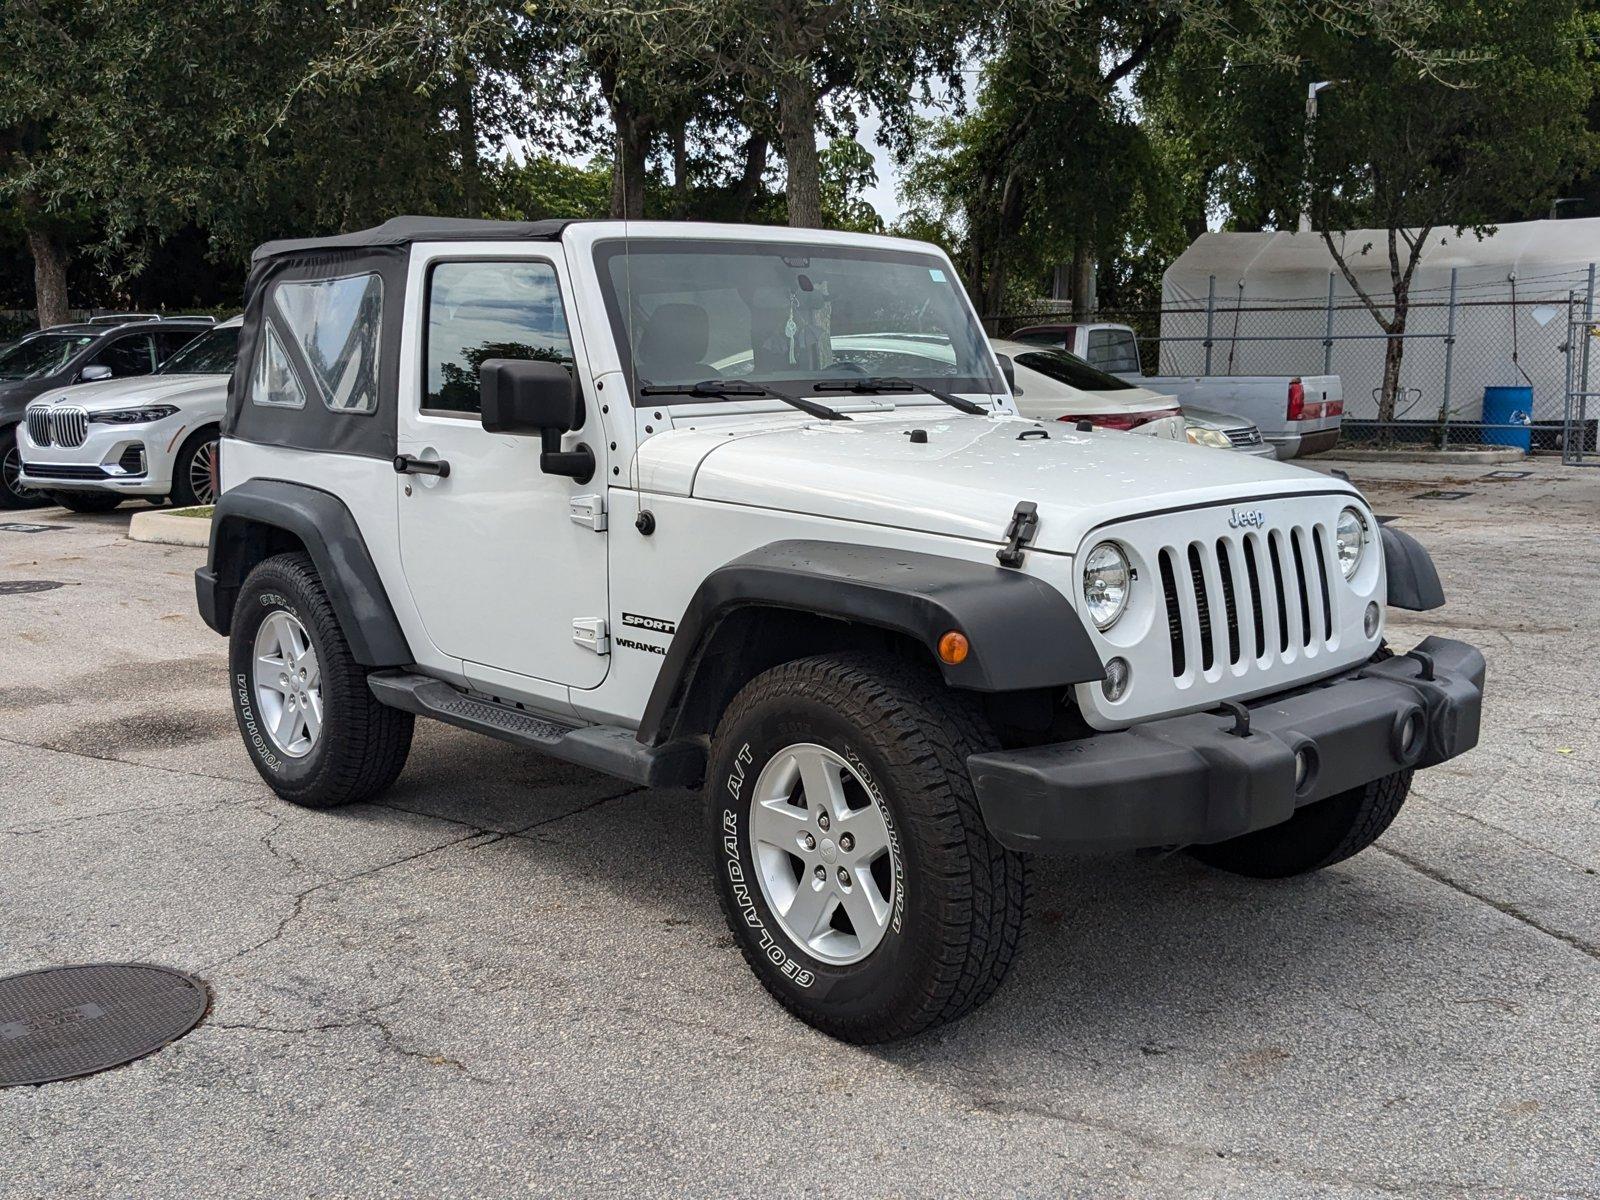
x: 1277, y: 285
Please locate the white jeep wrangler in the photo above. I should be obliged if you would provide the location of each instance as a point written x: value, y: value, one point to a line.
x: 483, y: 472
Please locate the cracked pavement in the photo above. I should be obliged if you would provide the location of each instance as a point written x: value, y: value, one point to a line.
x: 510, y: 977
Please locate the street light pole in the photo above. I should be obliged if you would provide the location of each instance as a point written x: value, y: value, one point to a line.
x: 1311, y: 120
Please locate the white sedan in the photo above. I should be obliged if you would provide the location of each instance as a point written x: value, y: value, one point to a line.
x: 1052, y: 385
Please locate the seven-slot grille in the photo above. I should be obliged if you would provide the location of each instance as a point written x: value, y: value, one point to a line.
x: 63, y: 425
x: 1249, y: 598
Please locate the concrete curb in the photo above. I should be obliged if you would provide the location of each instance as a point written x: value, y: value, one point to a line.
x: 170, y: 527
x: 1482, y: 458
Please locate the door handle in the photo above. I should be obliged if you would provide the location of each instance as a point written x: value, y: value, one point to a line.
x: 410, y: 464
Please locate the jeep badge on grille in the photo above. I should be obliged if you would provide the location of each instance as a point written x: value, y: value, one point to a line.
x: 1247, y: 518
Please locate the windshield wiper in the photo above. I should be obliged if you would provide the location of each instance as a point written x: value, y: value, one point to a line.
x: 872, y: 385
x: 721, y: 389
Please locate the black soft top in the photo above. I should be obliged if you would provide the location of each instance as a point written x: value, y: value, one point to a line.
x: 401, y: 231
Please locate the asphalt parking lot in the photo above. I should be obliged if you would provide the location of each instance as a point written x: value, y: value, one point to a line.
x: 511, y: 978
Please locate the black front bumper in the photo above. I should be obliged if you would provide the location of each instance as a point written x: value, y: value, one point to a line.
x: 1190, y: 780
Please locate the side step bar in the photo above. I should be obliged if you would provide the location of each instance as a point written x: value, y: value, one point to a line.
x: 608, y: 748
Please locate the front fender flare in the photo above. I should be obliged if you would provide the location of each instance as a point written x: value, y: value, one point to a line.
x: 1023, y: 633
x: 1413, y: 579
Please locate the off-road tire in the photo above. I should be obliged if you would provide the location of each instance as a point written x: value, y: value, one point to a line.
x: 12, y: 494
x: 1317, y: 836
x: 183, y: 494
x: 363, y: 744
x: 962, y: 894
x: 87, y: 502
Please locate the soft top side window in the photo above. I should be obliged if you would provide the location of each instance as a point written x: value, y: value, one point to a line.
x: 273, y: 382
x: 334, y: 324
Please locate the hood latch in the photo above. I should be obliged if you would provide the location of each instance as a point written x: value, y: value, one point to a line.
x: 1024, y: 524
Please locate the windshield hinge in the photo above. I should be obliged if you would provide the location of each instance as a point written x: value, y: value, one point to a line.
x: 590, y: 633
x: 1024, y: 524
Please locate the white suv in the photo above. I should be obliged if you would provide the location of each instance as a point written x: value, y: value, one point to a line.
x: 93, y: 445
x: 484, y: 472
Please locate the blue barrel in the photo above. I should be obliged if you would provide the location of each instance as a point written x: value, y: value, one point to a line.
x: 1506, y: 411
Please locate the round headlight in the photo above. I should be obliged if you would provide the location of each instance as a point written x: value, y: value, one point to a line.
x: 1106, y: 581
x: 1214, y: 438
x: 1351, y: 537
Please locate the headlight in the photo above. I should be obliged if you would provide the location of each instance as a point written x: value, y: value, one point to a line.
x: 1214, y: 438
x: 1106, y: 582
x: 133, y: 416
x: 1351, y: 536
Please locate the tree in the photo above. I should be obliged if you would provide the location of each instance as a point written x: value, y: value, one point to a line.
x: 1411, y: 154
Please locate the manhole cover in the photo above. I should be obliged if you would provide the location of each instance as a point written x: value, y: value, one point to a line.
x: 22, y: 587
x: 63, y: 1022
x: 1441, y: 495
x: 1509, y: 475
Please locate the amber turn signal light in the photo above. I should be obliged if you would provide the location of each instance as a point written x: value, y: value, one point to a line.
x: 954, y: 648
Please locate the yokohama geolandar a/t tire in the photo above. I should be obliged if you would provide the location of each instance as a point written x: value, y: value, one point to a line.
x: 1317, y: 836
x: 850, y: 857
x: 309, y: 721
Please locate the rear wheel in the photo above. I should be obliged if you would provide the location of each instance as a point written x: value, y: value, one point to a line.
x: 851, y: 860
x: 13, y: 493
x: 1317, y: 836
x: 88, y: 502
x: 194, y: 470
x: 311, y: 724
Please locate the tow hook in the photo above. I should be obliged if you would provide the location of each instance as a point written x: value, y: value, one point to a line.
x: 1024, y: 524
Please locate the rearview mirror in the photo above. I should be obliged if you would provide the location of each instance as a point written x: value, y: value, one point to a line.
x: 1009, y: 370
x: 94, y: 373
x: 531, y: 396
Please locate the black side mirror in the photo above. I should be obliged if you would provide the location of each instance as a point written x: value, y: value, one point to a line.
x: 1009, y: 370
x: 532, y: 397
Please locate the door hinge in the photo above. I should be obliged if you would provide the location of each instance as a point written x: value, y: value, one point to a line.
x: 1024, y: 524
x: 590, y: 633
x: 589, y: 511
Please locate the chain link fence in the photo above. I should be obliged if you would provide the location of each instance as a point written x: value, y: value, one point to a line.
x: 1475, y: 369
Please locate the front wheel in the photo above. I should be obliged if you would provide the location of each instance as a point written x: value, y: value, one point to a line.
x: 194, y: 470
x: 13, y: 492
x: 1317, y: 836
x: 850, y: 858
x: 313, y: 728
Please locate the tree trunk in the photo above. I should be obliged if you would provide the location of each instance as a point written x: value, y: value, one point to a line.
x: 1083, y: 297
x: 748, y: 187
x: 49, y: 277
x: 797, y: 124
x: 633, y: 148
x: 467, y: 146
x: 1393, y: 353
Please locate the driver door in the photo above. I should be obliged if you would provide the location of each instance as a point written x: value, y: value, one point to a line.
x: 502, y: 575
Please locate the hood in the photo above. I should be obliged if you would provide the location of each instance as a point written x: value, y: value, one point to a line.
x: 141, y: 389
x: 966, y: 479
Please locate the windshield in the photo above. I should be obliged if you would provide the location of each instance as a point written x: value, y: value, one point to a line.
x: 1071, y: 370
x: 685, y: 312
x: 212, y: 354
x: 46, y: 354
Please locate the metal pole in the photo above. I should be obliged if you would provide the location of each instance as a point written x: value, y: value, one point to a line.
x: 1327, y: 334
x: 1211, y: 317
x: 1449, y: 361
x: 1568, y: 455
x: 1583, y: 383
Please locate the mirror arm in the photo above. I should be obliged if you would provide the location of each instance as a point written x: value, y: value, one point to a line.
x: 578, y: 464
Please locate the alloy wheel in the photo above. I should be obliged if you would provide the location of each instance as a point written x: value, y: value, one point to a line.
x: 288, y: 684
x: 11, y: 474
x: 825, y: 860
x: 201, y: 473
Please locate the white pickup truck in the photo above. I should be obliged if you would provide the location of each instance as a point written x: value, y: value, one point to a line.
x: 1297, y: 414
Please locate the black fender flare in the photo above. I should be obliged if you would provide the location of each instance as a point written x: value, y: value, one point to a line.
x: 1413, y: 579
x: 1023, y: 633
x: 320, y: 521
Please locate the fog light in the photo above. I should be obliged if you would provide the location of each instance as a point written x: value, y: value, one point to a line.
x: 1118, y: 675
x: 1370, y: 621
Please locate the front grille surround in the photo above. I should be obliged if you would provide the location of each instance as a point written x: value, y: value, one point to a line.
x: 1231, y: 611
x: 1248, y: 436
x: 39, y: 426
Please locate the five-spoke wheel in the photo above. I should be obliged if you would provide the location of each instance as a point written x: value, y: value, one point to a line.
x: 288, y: 684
